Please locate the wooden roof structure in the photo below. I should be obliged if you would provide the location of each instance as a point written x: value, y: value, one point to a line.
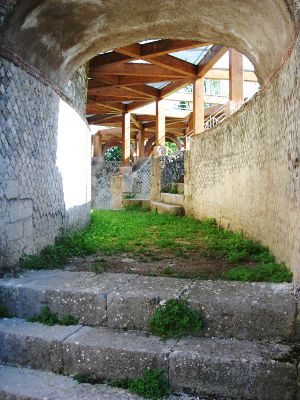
x: 134, y: 76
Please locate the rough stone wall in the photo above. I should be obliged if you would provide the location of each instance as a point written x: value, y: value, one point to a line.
x: 102, y: 173
x: 172, y: 169
x: 44, y: 165
x: 246, y: 172
x: 141, y: 179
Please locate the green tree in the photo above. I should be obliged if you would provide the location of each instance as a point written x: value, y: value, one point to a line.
x: 113, y: 154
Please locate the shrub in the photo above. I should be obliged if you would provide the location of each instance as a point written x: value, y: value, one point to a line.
x: 175, y: 319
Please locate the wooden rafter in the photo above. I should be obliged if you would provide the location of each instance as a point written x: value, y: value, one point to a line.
x: 209, y: 60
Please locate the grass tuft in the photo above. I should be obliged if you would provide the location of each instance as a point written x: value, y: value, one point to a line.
x: 152, y: 384
x: 47, y: 317
x: 175, y: 319
x: 269, y: 272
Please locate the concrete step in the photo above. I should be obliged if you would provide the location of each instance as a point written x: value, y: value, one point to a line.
x: 171, y: 198
x: 163, y: 208
x: 220, y: 367
x: 259, y: 311
x: 24, y: 383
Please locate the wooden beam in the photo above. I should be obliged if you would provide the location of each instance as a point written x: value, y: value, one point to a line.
x: 166, y: 46
x: 125, y: 139
x: 133, y: 50
x: 134, y: 80
x: 173, y: 87
x: 223, y: 74
x: 113, y: 91
x: 134, y: 70
x: 110, y: 105
x: 135, y: 122
x: 160, y: 134
x: 111, y: 57
x: 175, y: 64
x: 141, y: 143
x: 209, y: 60
x: 143, y: 89
x: 198, y: 105
x: 236, y: 79
x: 137, y: 104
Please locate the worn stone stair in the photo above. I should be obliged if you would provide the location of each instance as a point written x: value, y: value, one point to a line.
x: 259, y: 311
x: 225, y: 367
x: 246, y: 350
x: 28, y: 384
x: 170, y: 203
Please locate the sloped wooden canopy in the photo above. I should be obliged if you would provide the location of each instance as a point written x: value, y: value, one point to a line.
x: 120, y: 80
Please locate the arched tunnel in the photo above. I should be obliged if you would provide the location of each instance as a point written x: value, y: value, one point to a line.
x: 245, y: 172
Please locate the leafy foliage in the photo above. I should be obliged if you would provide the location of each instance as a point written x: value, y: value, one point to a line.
x: 113, y: 154
x: 47, y: 317
x: 175, y: 319
x: 152, y: 384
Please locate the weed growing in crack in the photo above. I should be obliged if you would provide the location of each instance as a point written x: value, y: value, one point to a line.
x: 175, y: 318
x: 152, y: 384
x: 47, y: 317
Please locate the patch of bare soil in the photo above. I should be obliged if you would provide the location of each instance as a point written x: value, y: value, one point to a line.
x: 192, y: 265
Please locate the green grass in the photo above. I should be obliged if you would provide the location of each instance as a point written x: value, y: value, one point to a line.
x: 152, y: 384
x: 269, y: 272
x: 47, y: 317
x: 139, y: 233
x: 175, y: 319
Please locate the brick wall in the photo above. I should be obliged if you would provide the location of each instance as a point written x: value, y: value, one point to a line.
x: 44, y: 165
x: 246, y: 172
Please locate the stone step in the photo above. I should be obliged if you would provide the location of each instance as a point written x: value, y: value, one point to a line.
x: 24, y: 383
x: 163, y: 208
x: 171, y: 198
x: 144, y: 203
x: 259, y: 311
x: 210, y: 366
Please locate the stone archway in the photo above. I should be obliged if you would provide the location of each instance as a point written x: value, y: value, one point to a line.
x: 43, y: 43
x: 151, y: 142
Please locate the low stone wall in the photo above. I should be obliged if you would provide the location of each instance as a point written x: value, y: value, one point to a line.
x: 141, y: 179
x: 246, y: 172
x: 102, y: 174
x: 44, y: 164
x: 172, y: 169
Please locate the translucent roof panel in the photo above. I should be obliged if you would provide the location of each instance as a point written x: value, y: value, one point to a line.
x: 193, y: 56
x: 158, y: 85
x: 139, y: 61
x: 149, y: 41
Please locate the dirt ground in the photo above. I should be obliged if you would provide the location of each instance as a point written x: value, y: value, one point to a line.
x: 190, y: 266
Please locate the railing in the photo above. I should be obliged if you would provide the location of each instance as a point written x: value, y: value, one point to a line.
x: 223, y: 112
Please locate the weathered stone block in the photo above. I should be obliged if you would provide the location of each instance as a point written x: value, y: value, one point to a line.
x: 110, y: 354
x: 234, y: 369
x: 32, y: 344
x: 12, y: 189
x: 132, y: 305
x: 15, y: 230
x: 20, y: 209
x: 245, y: 310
